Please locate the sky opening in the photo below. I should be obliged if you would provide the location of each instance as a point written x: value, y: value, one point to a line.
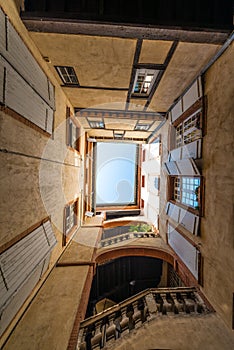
x: 116, y: 173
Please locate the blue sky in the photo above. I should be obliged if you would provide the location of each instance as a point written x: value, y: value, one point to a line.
x: 115, y: 173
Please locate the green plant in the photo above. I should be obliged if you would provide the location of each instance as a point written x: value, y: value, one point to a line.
x: 140, y: 228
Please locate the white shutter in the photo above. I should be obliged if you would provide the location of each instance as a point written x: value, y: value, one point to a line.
x: 193, y: 94
x: 191, y: 150
x: 1, y: 80
x: 171, y: 168
x: 176, y: 111
x: 187, y: 167
x: 28, y: 90
x: 183, y: 217
x: 2, y: 31
x: 173, y: 211
x: 23, y: 61
x: 185, y: 250
x: 189, y: 221
x: 20, y: 264
x: 175, y: 154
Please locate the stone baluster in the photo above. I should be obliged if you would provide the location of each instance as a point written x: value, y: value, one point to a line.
x: 129, y: 314
x: 136, y: 313
x: 110, y: 330
x: 151, y: 306
x: 189, y: 304
x: 143, y: 309
x: 117, y: 320
x: 97, y: 335
x: 104, y: 325
x: 178, y: 306
x: 90, y: 331
x: 166, y: 307
x: 201, y: 306
x: 124, y: 320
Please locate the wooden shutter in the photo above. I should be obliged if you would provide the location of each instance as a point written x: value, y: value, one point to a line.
x: 187, y: 100
x: 193, y: 94
x: 27, y: 88
x: 183, y: 217
x: 192, y: 150
x: 22, y: 265
x: 2, y: 31
x: 176, y: 111
x: 187, y: 167
x: 171, y: 168
x: 185, y: 250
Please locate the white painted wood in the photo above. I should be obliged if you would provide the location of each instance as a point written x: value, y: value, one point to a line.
x: 2, y: 31
x: 187, y: 167
x: 23, y: 61
x: 185, y: 250
x: 192, y: 95
x: 18, y: 262
x: 173, y: 211
x: 15, y: 302
x: 189, y: 221
x: 176, y: 111
x: 171, y: 168
x: 183, y: 217
x: 1, y: 80
x: 192, y: 150
x: 175, y: 154
x: 20, y: 97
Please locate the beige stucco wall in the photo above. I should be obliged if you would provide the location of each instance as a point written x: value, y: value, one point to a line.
x: 39, y: 174
x: 218, y: 166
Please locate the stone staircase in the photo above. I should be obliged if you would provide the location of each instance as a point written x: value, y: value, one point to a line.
x: 102, y: 330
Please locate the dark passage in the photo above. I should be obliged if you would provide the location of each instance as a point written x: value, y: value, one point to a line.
x: 121, y: 278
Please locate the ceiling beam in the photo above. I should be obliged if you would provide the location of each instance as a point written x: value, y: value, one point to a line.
x: 62, y: 26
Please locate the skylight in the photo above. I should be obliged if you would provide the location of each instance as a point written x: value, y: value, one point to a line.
x: 116, y: 172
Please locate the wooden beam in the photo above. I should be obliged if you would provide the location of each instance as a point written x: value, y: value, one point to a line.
x: 62, y: 26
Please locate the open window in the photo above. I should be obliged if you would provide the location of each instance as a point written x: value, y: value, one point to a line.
x: 70, y: 220
x: 67, y: 75
x: 72, y: 133
x: 144, y: 81
x: 186, y: 191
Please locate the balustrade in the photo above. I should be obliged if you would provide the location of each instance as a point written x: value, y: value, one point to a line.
x: 130, y: 314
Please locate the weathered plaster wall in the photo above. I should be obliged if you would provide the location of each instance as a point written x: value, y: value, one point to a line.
x: 39, y: 174
x: 217, y: 236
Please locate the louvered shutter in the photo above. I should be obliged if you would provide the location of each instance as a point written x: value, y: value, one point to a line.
x: 185, y: 250
x: 22, y: 265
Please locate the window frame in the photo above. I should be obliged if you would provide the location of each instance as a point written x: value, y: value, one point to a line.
x: 146, y: 72
x: 62, y: 76
x: 181, y: 132
x: 68, y: 230
x: 179, y: 201
x: 72, y: 129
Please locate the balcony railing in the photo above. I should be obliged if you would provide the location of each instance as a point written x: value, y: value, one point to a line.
x: 125, y: 236
x: 111, y: 324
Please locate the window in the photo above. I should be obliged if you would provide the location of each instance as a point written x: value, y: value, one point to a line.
x: 118, y: 135
x: 155, y: 148
x: 189, y: 130
x: 143, y: 181
x: 144, y: 81
x: 186, y: 190
x: 96, y: 124
x: 70, y: 219
x: 68, y: 75
x: 157, y: 183
x: 142, y: 126
x: 73, y: 135
x: 143, y: 155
